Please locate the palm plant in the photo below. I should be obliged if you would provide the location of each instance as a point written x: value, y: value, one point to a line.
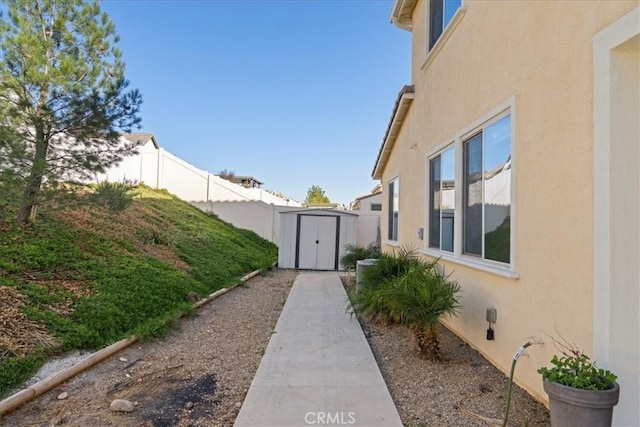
x: 354, y: 253
x: 418, y: 299
x: 391, y: 265
x: 388, y: 267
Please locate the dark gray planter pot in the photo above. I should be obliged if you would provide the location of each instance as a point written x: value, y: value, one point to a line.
x: 571, y: 407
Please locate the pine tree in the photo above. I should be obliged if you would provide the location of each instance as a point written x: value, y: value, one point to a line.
x: 63, y: 95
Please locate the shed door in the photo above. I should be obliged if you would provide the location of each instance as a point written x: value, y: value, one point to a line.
x: 317, y: 242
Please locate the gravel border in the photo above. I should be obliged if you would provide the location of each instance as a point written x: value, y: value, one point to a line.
x: 196, y: 376
x: 429, y: 393
x: 200, y: 374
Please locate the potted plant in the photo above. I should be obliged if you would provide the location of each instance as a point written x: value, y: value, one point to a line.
x: 580, y: 393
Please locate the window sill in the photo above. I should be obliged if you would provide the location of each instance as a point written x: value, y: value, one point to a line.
x: 392, y: 243
x: 457, y: 17
x: 478, y: 265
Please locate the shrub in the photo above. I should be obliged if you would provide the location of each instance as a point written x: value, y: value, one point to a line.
x: 115, y: 196
x: 391, y: 265
x: 403, y: 288
x: 388, y: 267
x: 158, y: 236
x: 354, y: 253
x: 578, y: 372
x: 575, y: 369
x: 418, y: 299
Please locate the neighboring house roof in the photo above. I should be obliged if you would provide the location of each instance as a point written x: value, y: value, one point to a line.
x: 240, y: 179
x: 237, y: 192
x: 402, y: 14
x: 400, y: 109
x: 358, y: 202
x: 141, y: 138
x: 246, y: 180
x: 333, y: 211
x: 367, y: 196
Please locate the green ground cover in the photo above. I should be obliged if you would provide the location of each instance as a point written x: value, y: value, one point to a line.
x: 87, y: 276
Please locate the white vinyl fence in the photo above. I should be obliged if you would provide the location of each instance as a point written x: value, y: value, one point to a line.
x: 251, y: 208
x: 260, y: 217
x: 367, y: 229
x: 157, y: 168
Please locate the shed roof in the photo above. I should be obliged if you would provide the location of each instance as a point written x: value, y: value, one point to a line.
x: 330, y: 211
x: 400, y: 109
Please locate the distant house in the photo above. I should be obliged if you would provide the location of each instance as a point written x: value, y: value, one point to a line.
x: 246, y: 181
x: 369, y: 202
x: 369, y: 209
x: 513, y: 158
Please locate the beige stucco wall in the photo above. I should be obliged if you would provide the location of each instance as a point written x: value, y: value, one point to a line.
x: 538, y: 54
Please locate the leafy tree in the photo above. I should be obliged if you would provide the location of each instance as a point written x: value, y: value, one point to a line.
x: 227, y: 174
x: 63, y: 96
x: 316, y: 196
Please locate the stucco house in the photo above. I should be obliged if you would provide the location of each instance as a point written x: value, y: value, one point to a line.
x: 369, y: 209
x: 513, y: 157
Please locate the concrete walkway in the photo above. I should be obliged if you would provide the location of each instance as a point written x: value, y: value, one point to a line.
x: 318, y: 368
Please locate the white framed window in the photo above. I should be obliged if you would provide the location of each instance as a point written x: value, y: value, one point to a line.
x: 442, y: 199
x: 469, y: 195
x: 394, y: 208
x: 440, y: 13
x: 376, y: 207
x: 486, y: 192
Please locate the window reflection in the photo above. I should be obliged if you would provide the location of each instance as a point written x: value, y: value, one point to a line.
x: 448, y: 198
x: 497, y: 190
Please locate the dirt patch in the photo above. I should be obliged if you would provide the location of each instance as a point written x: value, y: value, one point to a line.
x: 197, y: 376
x: 430, y: 393
x: 18, y: 335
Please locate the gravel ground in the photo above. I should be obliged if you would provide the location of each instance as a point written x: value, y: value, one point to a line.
x: 429, y: 393
x: 197, y: 376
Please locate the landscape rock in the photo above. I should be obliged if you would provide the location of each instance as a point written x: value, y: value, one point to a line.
x: 63, y: 395
x: 121, y: 405
x: 188, y: 405
x: 217, y: 340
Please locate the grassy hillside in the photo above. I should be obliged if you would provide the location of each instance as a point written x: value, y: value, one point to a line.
x: 84, y: 277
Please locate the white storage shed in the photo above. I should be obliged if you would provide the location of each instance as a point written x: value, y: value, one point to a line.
x: 315, y: 239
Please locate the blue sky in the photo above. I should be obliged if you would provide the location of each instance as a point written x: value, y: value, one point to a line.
x: 293, y: 92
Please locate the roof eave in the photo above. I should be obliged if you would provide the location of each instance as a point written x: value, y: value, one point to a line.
x: 401, y: 14
x: 394, y: 129
x: 155, y: 141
